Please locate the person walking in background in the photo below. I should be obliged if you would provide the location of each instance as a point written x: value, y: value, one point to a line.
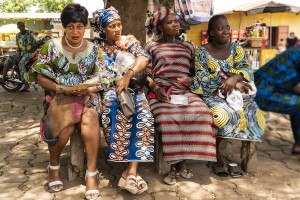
x: 27, y: 43
x: 64, y: 62
x: 130, y: 139
x: 291, y: 41
x: 278, y: 89
x: 182, y: 119
x: 221, y: 68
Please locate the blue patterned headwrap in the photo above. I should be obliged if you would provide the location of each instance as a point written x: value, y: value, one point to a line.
x: 101, y: 18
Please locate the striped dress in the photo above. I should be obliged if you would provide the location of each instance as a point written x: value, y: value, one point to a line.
x: 187, y: 131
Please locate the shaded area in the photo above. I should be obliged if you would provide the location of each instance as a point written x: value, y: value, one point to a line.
x: 23, y: 161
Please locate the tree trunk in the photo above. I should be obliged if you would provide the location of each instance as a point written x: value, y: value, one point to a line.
x: 133, y: 15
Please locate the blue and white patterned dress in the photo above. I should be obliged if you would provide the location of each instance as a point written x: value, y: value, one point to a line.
x: 129, y: 140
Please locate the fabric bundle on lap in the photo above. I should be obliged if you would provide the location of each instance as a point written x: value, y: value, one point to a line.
x: 63, y: 111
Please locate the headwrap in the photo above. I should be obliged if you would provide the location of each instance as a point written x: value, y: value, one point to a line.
x: 101, y: 18
x: 152, y: 22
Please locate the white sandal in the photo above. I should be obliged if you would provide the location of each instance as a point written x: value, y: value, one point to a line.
x: 91, y: 192
x: 143, y: 186
x: 55, y: 183
x: 129, y: 184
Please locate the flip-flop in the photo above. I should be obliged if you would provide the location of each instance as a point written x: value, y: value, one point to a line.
x: 234, y: 170
x: 221, y: 171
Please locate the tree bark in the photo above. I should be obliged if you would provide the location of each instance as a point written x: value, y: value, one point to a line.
x: 134, y: 12
x: 133, y: 16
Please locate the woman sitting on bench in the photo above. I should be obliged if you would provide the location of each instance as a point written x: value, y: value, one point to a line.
x: 130, y: 139
x: 222, y: 75
x: 63, y: 67
x: 183, y: 120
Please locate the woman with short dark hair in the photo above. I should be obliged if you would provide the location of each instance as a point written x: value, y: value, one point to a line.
x: 74, y: 13
x: 72, y: 72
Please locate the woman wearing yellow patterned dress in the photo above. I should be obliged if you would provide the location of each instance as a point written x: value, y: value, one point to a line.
x: 221, y: 70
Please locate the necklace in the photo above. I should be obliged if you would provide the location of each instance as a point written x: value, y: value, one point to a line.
x: 71, y: 45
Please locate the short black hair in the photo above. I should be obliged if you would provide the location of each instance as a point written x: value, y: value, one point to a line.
x: 74, y: 13
x: 211, y: 24
x: 20, y: 22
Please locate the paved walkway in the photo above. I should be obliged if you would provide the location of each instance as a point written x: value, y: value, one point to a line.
x: 23, y: 162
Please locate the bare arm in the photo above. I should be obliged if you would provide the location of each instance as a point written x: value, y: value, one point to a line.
x: 140, y: 64
x: 46, y: 83
x: 230, y: 83
x: 54, y: 87
x: 159, y: 92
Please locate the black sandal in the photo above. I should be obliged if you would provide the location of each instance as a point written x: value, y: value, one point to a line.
x: 221, y: 171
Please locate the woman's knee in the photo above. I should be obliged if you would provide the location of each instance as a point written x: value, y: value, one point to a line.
x: 90, y: 116
x: 67, y: 132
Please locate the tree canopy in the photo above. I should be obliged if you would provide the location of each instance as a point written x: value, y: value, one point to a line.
x: 22, y: 6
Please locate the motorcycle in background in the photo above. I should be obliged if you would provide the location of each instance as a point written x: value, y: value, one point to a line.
x: 13, y: 81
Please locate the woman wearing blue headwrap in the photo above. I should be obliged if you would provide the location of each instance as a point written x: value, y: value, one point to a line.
x: 130, y: 140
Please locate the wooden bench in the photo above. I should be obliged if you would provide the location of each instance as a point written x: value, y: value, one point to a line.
x: 248, y: 156
x: 76, y: 163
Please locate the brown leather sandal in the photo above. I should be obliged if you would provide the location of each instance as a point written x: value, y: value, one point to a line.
x: 171, y: 178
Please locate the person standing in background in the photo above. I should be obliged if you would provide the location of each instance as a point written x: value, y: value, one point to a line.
x: 291, y: 41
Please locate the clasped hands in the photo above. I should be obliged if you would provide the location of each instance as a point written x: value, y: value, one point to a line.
x: 233, y: 83
x: 164, y: 96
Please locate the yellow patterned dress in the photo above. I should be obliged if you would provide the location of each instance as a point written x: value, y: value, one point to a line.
x: 246, y: 124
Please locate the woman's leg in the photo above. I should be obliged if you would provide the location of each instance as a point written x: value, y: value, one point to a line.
x: 296, y: 132
x: 131, y: 169
x: 220, y: 160
x: 180, y: 166
x: 90, y: 133
x: 55, y: 151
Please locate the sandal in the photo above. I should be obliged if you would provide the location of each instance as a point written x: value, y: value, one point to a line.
x: 129, y: 184
x: 171, y: 178
x: 187, y: 173
x: 91, y: 192
x: 234, y: 170
x: 143, y: 186
x: 53, y: 184
x: 221, y: 171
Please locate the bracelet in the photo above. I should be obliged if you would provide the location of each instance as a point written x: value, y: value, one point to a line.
x: 130, y: 68
x: 60, y: 91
